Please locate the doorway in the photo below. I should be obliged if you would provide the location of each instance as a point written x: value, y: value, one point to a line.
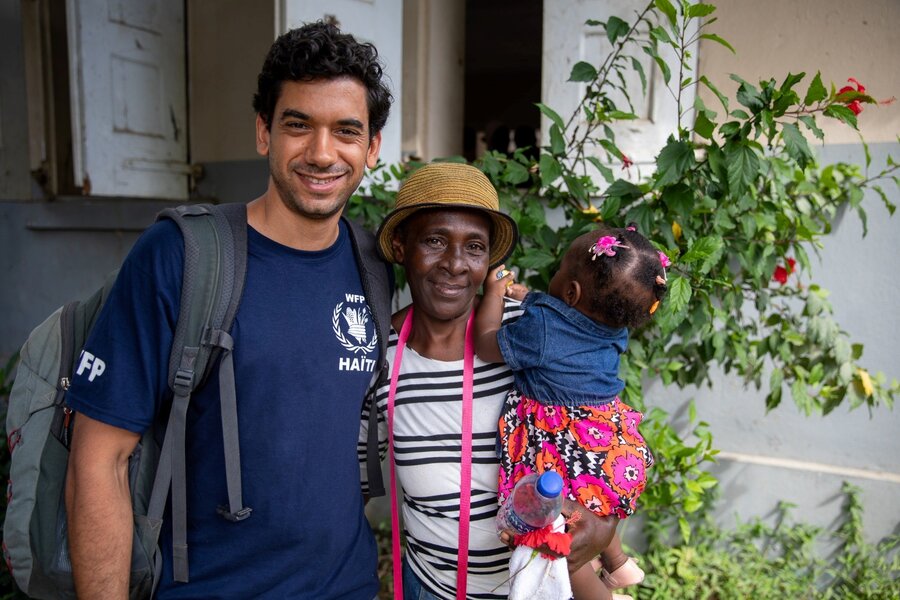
x: 502, y: 75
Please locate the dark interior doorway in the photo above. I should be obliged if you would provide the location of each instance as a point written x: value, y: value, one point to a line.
x: 503, y: 75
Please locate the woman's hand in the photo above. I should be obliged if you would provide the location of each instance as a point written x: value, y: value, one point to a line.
x: 590, y: 535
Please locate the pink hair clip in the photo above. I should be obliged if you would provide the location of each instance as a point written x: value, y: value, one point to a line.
x: 665, y: 262
x: 605, y: 246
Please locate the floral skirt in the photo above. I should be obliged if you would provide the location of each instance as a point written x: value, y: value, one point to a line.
x: 597, y: 450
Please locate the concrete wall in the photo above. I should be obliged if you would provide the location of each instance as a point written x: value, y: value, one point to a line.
x: 839, y: 38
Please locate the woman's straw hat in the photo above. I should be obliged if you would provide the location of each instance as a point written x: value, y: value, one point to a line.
x: 450, y: 185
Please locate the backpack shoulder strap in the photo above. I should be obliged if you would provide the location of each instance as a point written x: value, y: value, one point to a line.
x: 215, y: 264
x: 378, y: 285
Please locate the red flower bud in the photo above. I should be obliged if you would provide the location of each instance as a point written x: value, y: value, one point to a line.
x: 855, y: 106
x: 780, y: 275
x: 626, y: 162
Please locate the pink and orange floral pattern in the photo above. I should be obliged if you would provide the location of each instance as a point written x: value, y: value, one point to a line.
x: 598, y: 451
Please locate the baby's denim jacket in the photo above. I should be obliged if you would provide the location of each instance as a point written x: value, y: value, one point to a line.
x: 560, y: 356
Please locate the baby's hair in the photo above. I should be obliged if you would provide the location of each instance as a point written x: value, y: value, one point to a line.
x: 622, y: 288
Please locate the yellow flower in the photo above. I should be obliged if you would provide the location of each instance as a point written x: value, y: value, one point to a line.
x: 865, y: 381
x: 676, y: 231
x: 592, y: 210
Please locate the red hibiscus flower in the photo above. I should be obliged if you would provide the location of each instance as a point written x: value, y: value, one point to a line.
x: 556, y: 541
x: 626, y: 162
x: 854, y: 105
x: 781, y: 273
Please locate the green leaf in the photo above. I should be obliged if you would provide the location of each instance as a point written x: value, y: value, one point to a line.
x: 663, y: 65
x: 715, y: 91
x: 550, y: 169
x: 557, y: 143
x: 576, y: 189
x: 700, y: 10
x: 621, y: 115
x: 674, y: 160
x: 623, y: 189
x: 583, y: 71
x: 810, y: 123
x: 667, y: 9
x: 791, y: 80
x: 703, y: 126
x: 535, y: 258
x: 714, y: 38
x: 551, y: 114
x: 679, y: 293
x: 742, y: 164
x: 616, y: 28
x: 685, y: 529
x: 796, y: 145
x: 661, y: 35
x: 679, y: 198
x: 640, y: 71
x: 605, y: 171
x: 705, y: 250
x: 516, y: 173
x: 750, y: 97
x: 839, y: 111
x: 816, y: 91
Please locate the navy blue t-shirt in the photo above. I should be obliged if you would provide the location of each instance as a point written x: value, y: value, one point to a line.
x: 304, y: 353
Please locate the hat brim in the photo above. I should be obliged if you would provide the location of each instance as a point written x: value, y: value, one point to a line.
x: 504, y: 231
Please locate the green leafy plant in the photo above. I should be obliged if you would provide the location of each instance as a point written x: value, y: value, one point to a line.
x: 780, y: 560
x: 737, y: 200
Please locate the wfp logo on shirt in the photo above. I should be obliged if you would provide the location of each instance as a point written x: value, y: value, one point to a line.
x: 89, y: 361
x: 354, y: 329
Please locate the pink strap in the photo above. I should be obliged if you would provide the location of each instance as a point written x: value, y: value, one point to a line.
x: 465, y: 493
x: 465, y: 476
x: 395, y: 517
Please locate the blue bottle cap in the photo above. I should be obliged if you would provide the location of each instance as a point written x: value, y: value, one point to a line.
x: 549, y: 484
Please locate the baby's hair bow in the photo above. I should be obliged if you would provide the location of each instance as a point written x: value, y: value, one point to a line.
x: 605, y: 246
x: 665, y: 262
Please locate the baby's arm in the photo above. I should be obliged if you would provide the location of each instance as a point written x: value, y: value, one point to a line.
x: 489, y: 317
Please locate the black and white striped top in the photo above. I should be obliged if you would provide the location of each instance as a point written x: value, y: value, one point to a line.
x: 427, y: 438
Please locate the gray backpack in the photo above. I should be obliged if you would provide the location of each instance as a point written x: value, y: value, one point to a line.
x: 39, y: 423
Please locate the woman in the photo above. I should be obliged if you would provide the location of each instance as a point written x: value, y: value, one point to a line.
x: 446, y: 231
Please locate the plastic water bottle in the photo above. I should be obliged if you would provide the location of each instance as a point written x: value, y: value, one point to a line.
x: 534, y: 503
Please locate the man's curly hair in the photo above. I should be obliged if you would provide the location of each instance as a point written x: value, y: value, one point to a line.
x: 319, y: 50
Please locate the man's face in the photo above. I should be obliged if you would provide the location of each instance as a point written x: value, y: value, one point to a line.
x: 318, y: 144
x: 445, y: 254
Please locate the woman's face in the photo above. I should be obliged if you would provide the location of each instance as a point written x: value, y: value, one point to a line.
x: 445, y: 254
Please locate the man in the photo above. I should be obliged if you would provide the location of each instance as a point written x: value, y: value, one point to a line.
x: 303, y: 357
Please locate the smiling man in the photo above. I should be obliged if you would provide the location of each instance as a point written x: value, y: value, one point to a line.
x: 305, y: 348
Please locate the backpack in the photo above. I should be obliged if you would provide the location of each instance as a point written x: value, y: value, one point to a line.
x: 39, y: 423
